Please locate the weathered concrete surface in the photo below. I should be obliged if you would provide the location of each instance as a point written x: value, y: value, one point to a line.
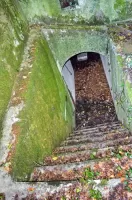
x: 120, y: 56
x: 65, y: 43
x: 13, y: 32
x: 90, y: 11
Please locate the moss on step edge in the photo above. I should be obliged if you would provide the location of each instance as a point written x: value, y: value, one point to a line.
x: 47, y: 117
x: 13, y: 31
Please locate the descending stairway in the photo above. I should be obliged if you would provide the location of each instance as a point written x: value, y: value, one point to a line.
x: 106, y: 150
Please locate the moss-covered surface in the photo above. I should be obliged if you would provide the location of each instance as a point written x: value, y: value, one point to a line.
x: 47, y: 117
x: 35, y: 9
x: 121, y: 64
x: 91, y: 11
x: 67, y: 43
x: 13, y: 28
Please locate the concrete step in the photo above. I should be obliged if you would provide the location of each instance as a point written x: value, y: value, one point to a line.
x: 87, y: 155
x: 98, y: 129
x: 89, y: 138
x: 95, y: 145
x: 108, y: 124
x: 104, y: 169
x: 113, y: 189
x: 95, y: 134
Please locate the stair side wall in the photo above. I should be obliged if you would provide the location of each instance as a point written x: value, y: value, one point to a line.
x: 13, y: 32
x: 47, y: 116
x: 121, y: 63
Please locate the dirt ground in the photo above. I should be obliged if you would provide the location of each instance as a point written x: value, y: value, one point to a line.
x: 94, y: 103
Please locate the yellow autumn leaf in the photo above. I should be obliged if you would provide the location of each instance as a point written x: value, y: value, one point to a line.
x: 9, y: 146
x: 54, y: 158
x: 121, y: 37
x: 120, y: 152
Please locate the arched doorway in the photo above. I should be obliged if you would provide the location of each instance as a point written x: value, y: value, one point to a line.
x: 85, y: 76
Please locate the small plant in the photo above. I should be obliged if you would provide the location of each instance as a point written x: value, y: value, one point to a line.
x: 93, y: 155
x: 119, y: 156
x: 128, y: 186
x: 90, y: 174
x: 95, y: 194
x: 128, y: 154
x: 118, y: 168
x: 63, y: 198
x: 129, y: 173
x: 103, y: 182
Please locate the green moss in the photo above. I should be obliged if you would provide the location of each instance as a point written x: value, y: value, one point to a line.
x: 129, y: 91
x: 35, y: 9
x: 13, y: 28
x: 43, y: 121
x: 120, y: 60
x: 92, y: 11
x: 67, y: 43
x: 120, y: 7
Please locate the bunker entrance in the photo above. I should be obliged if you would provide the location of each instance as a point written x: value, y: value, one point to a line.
x: 93, y: 100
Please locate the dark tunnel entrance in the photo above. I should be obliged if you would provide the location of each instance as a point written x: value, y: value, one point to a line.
x: 93, y: 100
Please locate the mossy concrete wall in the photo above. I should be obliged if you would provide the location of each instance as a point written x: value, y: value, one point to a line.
x: 90, y: 11
x: 47, y: 117
x: 121, y: 64
x: 66, y: 43
x: 46, y: 110
x: 13, y: 31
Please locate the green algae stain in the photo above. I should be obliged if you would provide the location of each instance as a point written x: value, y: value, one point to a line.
x: 120, y: 60
x: 43, y: 123
x: 120, y: 7
x: 13, y: 28
x: 35, y: 9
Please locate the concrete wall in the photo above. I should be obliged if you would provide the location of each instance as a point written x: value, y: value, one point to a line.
x: 46, y: 116
x: 87, y: 11
x: 66, y: 43
x: 68, y: 75
x: 13, y: 34
x: 107, y: 69
x: 121, y: 64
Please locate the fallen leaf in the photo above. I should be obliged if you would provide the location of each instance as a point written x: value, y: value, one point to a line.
x: 54, y: 158
x: 122, y: 179
x: 31, y: 189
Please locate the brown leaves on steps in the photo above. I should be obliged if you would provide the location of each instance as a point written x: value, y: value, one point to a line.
x: 87, y: 155
x: 78, y: 191
x: 83, y: 147
x: 87, y: 139
x: 112, y: 168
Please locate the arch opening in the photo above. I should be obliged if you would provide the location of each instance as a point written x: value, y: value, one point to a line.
x: 89, y: 87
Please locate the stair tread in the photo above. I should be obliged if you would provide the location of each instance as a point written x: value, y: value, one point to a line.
x: 90, y: 138
x: 112, y: 189
x: 81, y: 147
x: 86, y: 155
x: 101, y: 126
x: 105, y: 168
x: 96, y: 132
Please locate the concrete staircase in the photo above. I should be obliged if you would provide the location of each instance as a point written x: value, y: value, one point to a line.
x: 105, y: 149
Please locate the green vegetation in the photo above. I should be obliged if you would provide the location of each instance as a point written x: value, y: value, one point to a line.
x: 120, y: 7
x: 96, y: 194
x: 47, y: 117
x: 12, y: 37
x: 90, y: 174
